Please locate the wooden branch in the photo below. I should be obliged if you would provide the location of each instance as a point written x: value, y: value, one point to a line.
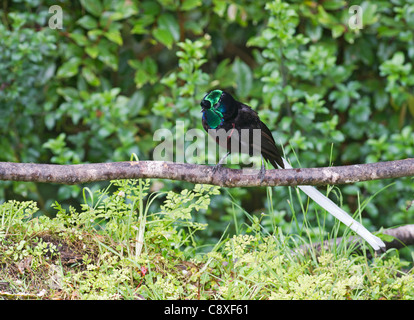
x: 203, y: 174
x: 402, y: 236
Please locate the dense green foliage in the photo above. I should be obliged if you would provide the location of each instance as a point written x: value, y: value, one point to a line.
x: 97, y: 90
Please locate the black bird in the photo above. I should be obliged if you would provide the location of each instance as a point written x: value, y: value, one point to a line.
x: 221, y: 111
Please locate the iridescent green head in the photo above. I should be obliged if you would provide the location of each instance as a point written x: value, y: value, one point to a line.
x: 213, y: 97
x: 214, y: 108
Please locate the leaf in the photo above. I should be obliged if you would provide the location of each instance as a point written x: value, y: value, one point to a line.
x: 314, y: 32
x: 80, y: 39
x: 88, y: 22
x: 398, y: 58
x: 141, y: 77
x: 94, y: 34
x: 134, y: 63
x: 136, y: 103
x: 244, y: 78
x: 50, y: 120
x: 326, y: 18
x: 337, y: 30
x: 334, y: 4
x: 168, y: 22
x: 114, y: 36
x: 56, y: 144
x: 146, y: 71
x: 69, y: 68
x: 163, y: 36
x: 93, y: 6
x: 92, y: 51
x: 68, y: 93
x: 369, y: 13
x: 385, y: 31
x: 106, y: 56
x: 90, y: 77
x: 190, y: 4
x: 124, y: 9
x: 150, y: 65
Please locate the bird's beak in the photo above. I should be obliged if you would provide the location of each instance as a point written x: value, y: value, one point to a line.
x: 205, y: 105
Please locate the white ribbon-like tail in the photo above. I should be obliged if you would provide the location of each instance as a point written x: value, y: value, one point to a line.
x: 340, y: 214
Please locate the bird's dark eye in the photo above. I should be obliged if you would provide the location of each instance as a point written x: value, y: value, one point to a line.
x: 205, y: 104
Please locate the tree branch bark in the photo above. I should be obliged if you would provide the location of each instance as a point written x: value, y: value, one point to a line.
x: 203, y: 174
x: 402, y: 236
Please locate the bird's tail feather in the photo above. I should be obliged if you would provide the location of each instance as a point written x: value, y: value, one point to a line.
x: 340, y: 214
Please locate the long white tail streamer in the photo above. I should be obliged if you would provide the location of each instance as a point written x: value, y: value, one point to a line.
x: 340, y: 214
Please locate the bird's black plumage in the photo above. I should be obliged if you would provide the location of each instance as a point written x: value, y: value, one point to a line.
x: 222, y: 111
